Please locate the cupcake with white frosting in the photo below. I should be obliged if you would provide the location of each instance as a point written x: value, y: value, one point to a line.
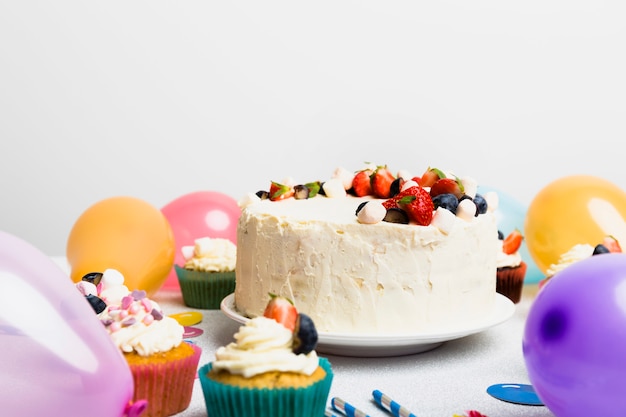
x: 269, y: 370
x: 208, y: 274
x: 162, y: 364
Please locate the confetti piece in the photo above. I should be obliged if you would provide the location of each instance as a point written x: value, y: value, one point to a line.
x: 188, y: 318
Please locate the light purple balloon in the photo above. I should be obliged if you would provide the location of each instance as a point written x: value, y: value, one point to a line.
x: 56, y: 359
x: 574, y: 340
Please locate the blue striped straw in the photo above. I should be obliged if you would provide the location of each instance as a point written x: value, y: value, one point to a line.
x: 390, y: 405
x: 347, y: 409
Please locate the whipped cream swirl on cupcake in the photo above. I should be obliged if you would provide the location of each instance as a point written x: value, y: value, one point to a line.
x: 263, y: 345
x: 135, y: 322
x: 210, y: 255
x: 576, y: 253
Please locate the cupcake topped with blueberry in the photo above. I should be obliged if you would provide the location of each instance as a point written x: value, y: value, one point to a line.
x: 163, y: 365
x: 579, y: 252
x: 270, y: 369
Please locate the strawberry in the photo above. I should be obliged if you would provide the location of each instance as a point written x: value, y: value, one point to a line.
x: 418, y: 204
x: 393, y: 201
x: 612, y: 244
x: 361, y: 184
x: 512, y: 242
x: 381, y: 181
x: 280, y: 191
x: 447, y: 186
x: 282, y: 310
x: 430, y: 176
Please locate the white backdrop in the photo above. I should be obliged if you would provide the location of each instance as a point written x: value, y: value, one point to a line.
x: 155, y: 99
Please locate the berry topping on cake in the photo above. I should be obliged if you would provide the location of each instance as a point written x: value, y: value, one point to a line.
x: 447, y: 201
x: 418, y: 205
x: 304, y: 335
x: 381, y: 181
x: 361, y: 184
x: 396, y: 215
x: 280, y: 191
x: 447, y: 186
x: 512, y: 242
x: 430, y: 176
x: 282, y: 310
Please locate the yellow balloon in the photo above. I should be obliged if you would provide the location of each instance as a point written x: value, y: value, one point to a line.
x: 572, y: 210
x: 123, y: 233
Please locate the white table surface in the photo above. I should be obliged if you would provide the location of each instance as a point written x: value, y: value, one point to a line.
x: 450, y: 379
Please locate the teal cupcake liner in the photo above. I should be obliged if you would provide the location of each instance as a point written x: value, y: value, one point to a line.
x: 204, y: 290
x: 224, y: 400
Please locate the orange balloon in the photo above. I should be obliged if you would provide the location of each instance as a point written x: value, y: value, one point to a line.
x: 573, y: 210
x: 123, y: 233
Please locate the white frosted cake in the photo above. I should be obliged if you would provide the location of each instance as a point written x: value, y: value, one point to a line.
x: 355, y: 275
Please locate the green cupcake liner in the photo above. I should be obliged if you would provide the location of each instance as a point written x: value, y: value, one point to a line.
x: 204, y: 290
x: 229, y: 401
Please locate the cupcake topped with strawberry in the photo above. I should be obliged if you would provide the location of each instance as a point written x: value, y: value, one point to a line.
x: 579, y: 252
x: 270, y: 369
x: 281, y: 340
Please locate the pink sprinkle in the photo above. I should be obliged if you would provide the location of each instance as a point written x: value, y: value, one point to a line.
x: 147, y: 304
x: 99, y: 287
x: 134, y: 309
x: 115, y: 326
x: 126, y: 302
x: 148, y: 319
x: 113, y: 307
x: 129, y: 322
x: 123, y: 314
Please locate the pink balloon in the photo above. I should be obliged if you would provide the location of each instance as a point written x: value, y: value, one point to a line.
x: 57, y: 358
x: 196, y: 215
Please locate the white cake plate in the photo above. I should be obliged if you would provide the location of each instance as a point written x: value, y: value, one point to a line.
x: 368, y: 345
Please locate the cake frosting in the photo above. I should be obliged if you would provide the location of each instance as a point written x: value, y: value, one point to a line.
x: 263, y: 345
x: 366, y: 277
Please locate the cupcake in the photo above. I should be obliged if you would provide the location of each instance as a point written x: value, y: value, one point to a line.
x: 209, y: 272
x: 511, y: 269
x: 163, y: 366
x: 270, y: 370
x: 579, y: 252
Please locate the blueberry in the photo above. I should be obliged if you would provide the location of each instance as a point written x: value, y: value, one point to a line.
x: 96, y: 303
x: 447, y: 201
x: 262, y: 194
x: 304, y: 335
x: 396, y: 215
x: 481, y: 204
x: 600, y: 249
x: 395, y: 187
x: 93, y: 277
x: 301, y: 192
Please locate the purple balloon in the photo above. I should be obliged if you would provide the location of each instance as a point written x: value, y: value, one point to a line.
x: 574, y: 341
x: 56, y: 357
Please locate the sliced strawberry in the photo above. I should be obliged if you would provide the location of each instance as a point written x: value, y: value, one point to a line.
x: 418, y: 205
x: 447, y: 186
x: 512, y: 242
x: 282, y: 310
x: 381, y: 181
x: 280, y: 191
x: 361, y: 184
x: 430, y: 176
x: 612, y: 244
